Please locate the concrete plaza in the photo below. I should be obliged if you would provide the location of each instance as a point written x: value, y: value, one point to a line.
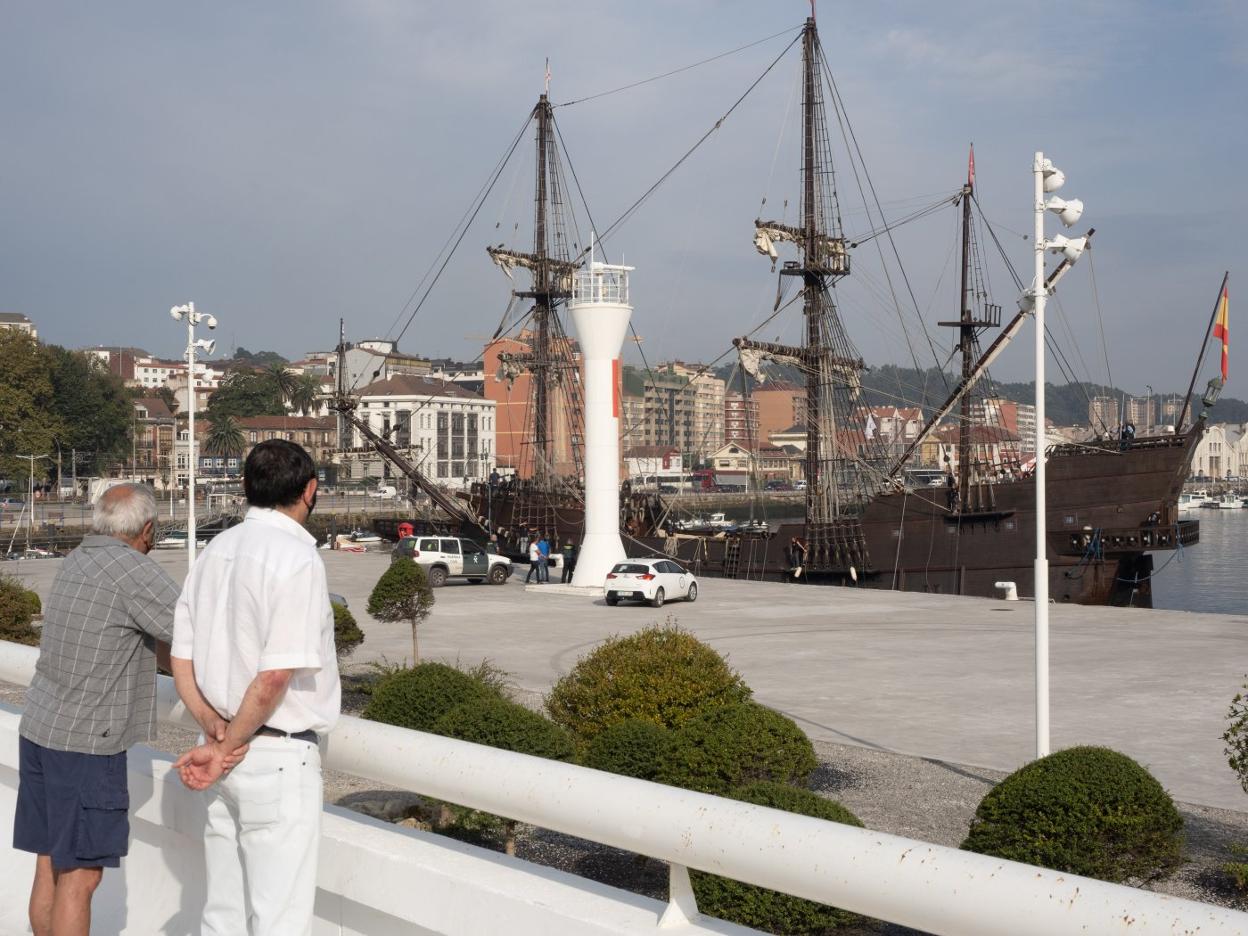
x: 936, y: 676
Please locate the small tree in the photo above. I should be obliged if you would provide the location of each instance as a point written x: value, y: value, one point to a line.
x: 402, y: 594
x: 1236, y: 737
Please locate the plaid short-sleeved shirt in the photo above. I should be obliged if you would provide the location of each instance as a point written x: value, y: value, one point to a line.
x: 94, y: 689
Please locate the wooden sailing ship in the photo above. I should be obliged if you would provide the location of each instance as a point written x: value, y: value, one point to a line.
x: 1111, y: 503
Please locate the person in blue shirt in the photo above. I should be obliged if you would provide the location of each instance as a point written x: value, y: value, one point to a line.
x: 543, y: 561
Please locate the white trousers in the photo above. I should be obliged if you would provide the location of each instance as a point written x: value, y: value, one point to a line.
x: 260, y: 844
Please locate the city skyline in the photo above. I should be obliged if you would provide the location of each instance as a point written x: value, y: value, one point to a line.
x: 289, y: 165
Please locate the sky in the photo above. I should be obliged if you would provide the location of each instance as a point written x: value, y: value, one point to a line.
x: 289, y: 163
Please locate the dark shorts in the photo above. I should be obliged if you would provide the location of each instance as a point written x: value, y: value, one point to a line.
x: 72, y: 806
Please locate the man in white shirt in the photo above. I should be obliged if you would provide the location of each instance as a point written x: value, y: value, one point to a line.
x: 253, y: 640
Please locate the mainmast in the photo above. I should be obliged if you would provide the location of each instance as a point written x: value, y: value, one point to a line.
x: 548, y: 357
x: 839, y: 479
x: 966, y: 338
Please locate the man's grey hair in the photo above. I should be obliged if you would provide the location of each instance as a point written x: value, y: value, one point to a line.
x: 124, y: 510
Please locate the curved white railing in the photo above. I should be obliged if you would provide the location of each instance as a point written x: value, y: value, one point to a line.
x: 917, y: 884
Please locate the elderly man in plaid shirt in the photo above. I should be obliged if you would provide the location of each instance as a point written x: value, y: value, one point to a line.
x: 108, y: 621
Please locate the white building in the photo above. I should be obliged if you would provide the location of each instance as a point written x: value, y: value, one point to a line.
x: 15, y: 321
x: 1215, y: 453
x: 447, y: 431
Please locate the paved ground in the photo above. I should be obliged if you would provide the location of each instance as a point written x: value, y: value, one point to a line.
x: 936, y: 676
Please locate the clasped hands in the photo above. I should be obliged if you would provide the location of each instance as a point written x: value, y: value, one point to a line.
x: 204, y: 765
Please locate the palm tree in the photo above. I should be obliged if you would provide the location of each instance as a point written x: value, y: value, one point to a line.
x: 224, y: 438
x: 303, y: 396
x: 283, y: 378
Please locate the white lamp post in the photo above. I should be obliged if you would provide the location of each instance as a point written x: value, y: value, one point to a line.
x: 1048, y: 178
x: 193, y: 318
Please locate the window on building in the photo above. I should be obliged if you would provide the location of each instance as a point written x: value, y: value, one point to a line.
x: 251, y: 436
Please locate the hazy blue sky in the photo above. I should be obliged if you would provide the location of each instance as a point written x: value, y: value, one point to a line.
x: 286, y: 163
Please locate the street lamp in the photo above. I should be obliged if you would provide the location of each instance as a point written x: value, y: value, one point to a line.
x: 192, y: 318
x: 1047, y: 178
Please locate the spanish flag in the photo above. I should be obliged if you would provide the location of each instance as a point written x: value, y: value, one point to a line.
x: 1221, y: 328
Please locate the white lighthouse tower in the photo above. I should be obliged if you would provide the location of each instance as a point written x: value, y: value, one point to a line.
x: 601, y: 310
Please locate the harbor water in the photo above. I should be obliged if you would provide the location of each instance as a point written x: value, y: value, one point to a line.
x: 1209, y: 576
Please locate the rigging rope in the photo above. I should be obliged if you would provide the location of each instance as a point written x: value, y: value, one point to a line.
x: 677, y: 71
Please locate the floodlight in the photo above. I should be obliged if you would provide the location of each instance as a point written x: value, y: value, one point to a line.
x: 1069, y: 247
x: 1054, y: 178
x: 207, y: 344
x: 177, y: 313
x: 1068, y: 211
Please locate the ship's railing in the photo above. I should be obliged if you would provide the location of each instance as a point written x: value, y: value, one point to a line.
x: 929, y: 887
x: 1116, y: 446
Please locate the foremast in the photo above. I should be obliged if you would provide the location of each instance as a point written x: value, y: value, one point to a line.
x: 838, y: 474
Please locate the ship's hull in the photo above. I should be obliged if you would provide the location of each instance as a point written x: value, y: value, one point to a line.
x: 1108, y: 510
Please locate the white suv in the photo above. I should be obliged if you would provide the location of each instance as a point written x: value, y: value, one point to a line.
x: 446, y: 557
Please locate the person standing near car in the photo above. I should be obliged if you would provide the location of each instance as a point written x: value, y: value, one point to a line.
x: 535, y: 558
x: 253, y: 639
x: 543, y: 560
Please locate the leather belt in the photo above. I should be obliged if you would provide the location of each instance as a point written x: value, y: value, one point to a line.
x: 309, y: 735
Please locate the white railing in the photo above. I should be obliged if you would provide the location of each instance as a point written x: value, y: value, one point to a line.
x: 929, y: 887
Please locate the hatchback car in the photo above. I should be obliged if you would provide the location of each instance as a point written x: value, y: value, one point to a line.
x: 447, y: 557
x: 652, y: 580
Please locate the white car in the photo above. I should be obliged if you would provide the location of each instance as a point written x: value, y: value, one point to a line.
x: 652, y: 580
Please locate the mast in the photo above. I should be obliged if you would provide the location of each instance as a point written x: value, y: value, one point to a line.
x: 548, y: 359
x: 966, y: 342
x: 813, y: 283
x: 542, y: 301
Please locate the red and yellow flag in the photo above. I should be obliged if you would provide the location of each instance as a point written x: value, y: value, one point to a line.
x: 1221, y: 329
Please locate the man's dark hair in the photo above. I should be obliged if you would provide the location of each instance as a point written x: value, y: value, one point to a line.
x: 276, y: 472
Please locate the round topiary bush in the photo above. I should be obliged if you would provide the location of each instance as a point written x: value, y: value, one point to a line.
x: 1085, y: 810
x: 765, y: 909
x: 416, y: 698
x: 734, y: 745
x: 631, y: 748
x: 501, y: 723
x: 33, y: 603
x: 347, y: 634
x: 662, y: 675
x: 16, y: 612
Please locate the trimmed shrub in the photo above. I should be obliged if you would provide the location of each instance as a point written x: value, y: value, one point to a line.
x: 416, y: 698
x: 734, y: 745
x: 662, y: 675
x: 402, y: 594
x: 1085, y: 810
x: 765, y: 909
x: 347, y: 634
x: 502, y: 724
x: 16, y: 612
x: 33, y: 602
x: 631, y: 748
x: 499, y: 723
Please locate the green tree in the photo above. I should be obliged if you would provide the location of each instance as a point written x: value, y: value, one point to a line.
x: 224, y: 437
x: 304, y: 393
x: 257, y: 358
x: 94, y: 409
x: 29, y: 424
x: 283, y: 378
x: 402, y: 594
x: 245, y: 393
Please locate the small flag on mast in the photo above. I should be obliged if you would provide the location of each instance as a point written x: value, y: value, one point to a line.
x: 547, y: 88
x: 1222, y: 328
x: 970, y: 168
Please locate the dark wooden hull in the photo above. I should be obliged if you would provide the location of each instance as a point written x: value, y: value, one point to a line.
x: 1108, y: 510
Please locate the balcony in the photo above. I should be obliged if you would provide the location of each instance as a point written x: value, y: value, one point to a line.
x: 380, y: 879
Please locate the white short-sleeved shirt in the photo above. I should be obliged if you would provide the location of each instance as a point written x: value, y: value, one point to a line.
x: 257, y: 599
